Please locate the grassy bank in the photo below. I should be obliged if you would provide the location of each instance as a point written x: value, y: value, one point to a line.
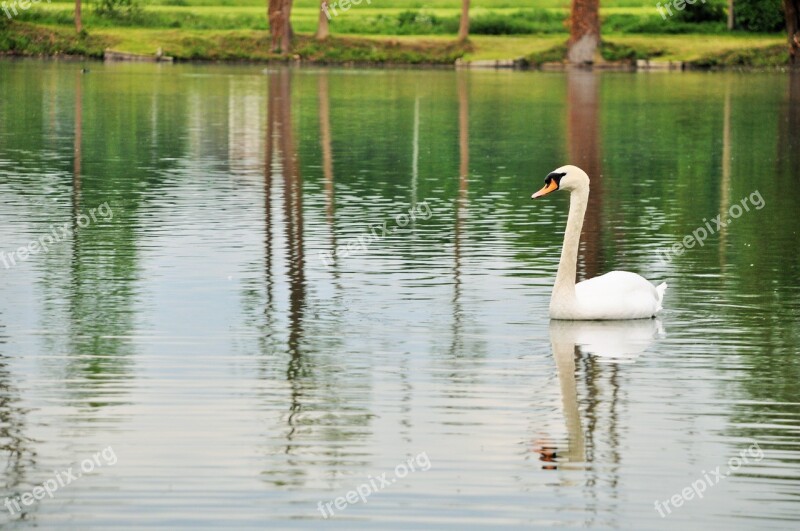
x: 696, y: 51
x: 381, y: 17
x: 383, y: 32
x: 24, y: 39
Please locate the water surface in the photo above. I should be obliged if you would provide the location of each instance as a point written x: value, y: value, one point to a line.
x: 222, y: 328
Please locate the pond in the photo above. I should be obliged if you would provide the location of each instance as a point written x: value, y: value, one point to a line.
x: 296, y: 298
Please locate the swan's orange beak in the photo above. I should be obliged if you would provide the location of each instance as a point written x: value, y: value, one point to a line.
x: 551, y: 186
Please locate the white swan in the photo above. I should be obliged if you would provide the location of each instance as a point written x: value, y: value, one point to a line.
x: 615, y: 295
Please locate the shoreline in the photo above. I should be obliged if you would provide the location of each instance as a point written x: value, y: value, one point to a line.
x: 620, y: 52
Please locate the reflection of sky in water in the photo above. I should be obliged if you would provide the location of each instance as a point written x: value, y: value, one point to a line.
x: 238, y: 379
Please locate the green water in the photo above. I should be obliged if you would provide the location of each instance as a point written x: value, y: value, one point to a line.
x: 213, y: 330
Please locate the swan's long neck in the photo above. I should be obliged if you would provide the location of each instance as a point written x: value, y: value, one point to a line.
x: 564, y: 288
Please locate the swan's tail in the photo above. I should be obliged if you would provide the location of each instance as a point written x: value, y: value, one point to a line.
x: 660, y: 289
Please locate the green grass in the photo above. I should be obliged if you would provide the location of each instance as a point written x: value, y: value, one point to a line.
x: 765, y: 57
x: 367, y: 19
x: 694, y: 47
x: 414, y: 4
x: 379, y: 17
x: 27, y: 39
x: 407, y: 31
x: 22, y: 38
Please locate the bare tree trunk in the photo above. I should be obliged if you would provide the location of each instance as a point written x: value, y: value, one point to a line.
x: 730, y: 14
x: 279, y: 14
x: 463, y: 26
x: 584, y: 34
x: 78, y: 23
x: 791, y: 8
x: 322, y: 25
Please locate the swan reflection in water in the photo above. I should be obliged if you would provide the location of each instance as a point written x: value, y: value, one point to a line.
x: 609, y: 342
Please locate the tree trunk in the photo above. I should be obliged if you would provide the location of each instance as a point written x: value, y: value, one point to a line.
x: 730, y: 15
x: 322, y: 25
x: 463, y: 26
x: 791, y: 8
x: 78, y: 23
x: 584, y: 34
x: 280, y: 27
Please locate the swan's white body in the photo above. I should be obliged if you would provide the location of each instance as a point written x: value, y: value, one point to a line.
x: 615, y: 295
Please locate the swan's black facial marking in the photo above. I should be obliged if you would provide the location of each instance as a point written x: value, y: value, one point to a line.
x: 551, y: 183
x: 554, y: 176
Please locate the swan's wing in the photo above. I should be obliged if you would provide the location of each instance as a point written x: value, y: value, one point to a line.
x: 618, y: 295
x: 617, y: 283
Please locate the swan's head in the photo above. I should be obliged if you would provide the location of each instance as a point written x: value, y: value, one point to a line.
x: 567, y: 178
